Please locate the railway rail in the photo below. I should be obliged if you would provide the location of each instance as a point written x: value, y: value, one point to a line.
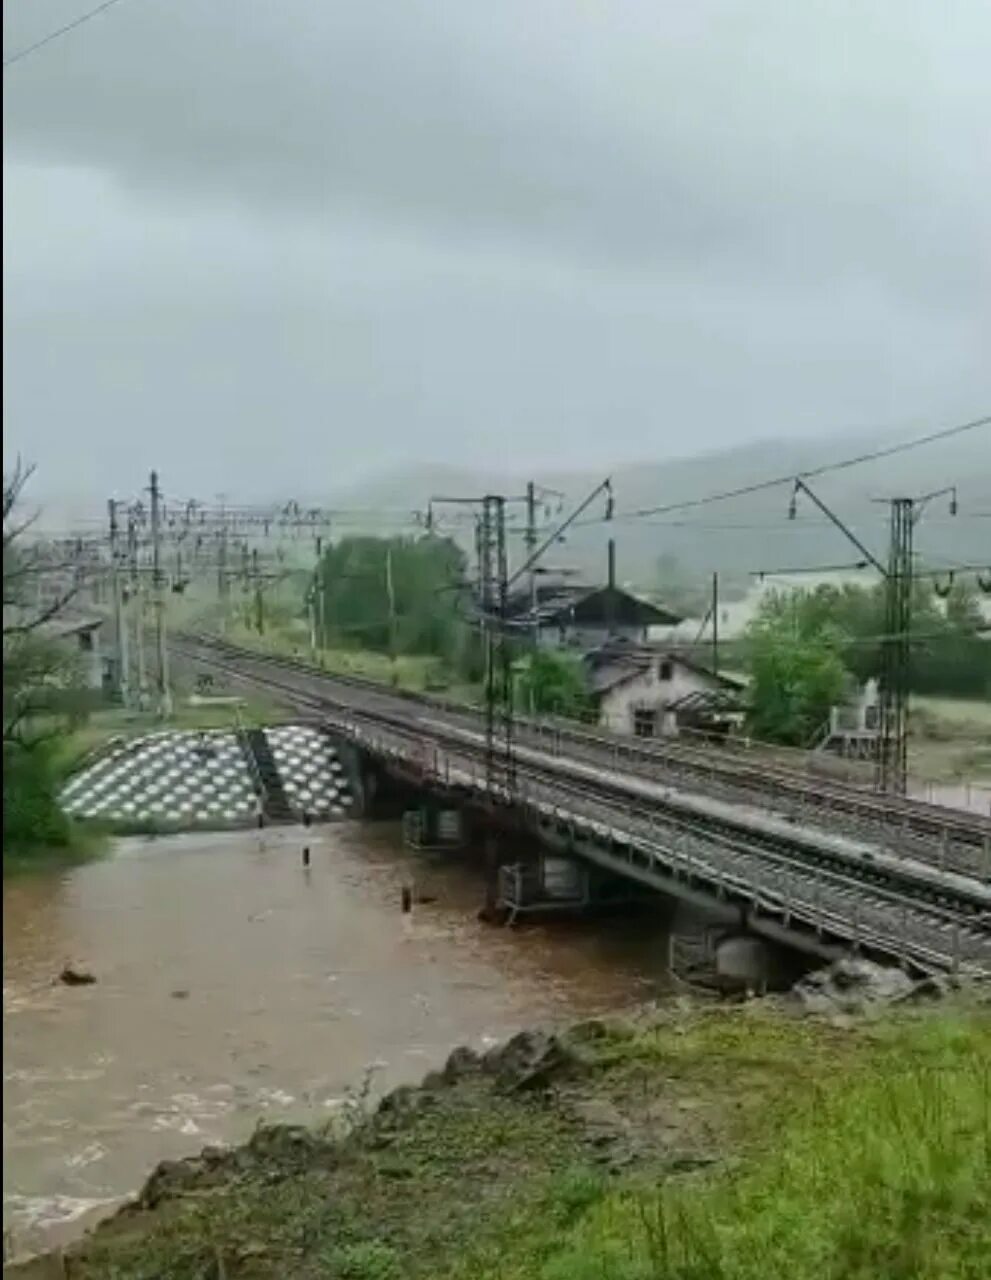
x: 825, y: 889
x: 950, y: 839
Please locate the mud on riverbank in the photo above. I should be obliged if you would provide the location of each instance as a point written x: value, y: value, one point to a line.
x: 681, y: 1130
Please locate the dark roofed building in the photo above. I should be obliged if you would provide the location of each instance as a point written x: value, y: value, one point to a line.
x: 584, y: 617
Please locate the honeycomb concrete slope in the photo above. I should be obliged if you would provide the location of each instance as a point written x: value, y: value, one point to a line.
x: 187, y: 779
x: 313, y: 777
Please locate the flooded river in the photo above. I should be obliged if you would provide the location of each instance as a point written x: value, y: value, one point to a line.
x: 234, y: 986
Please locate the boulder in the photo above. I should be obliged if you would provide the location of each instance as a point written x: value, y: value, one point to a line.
x: 852, y: 985
x: 530, y: 1060
x: 73, y: 977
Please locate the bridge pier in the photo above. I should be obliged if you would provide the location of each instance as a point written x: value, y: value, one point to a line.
x: 490, y: 911
x: 432, y: 825
x: 745, y: 960
x: 380, y: 794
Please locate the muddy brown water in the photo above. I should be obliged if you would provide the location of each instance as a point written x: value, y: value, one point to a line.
x: 234, y: 986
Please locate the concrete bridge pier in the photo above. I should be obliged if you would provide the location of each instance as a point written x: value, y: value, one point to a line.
x: 433, y: 825
x: 491, y: 851
x: 380, y: 795
x: 746, y: 961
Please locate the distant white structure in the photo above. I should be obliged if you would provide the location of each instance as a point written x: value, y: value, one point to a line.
x: 854, y: 725
x: 736, y: 615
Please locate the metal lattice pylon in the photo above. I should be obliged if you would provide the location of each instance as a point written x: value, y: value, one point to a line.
x: 493, y: 594
x: 892, y: 753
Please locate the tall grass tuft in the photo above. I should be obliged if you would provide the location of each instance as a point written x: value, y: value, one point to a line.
x: 883, y: 1177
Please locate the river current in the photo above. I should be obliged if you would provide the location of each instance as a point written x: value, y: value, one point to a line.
x: 234, y: 986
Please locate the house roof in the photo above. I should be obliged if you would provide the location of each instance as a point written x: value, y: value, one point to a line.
x: 707, y: 700
x: 590, y: 606
x: 71, y: 625
x: 619, y: 661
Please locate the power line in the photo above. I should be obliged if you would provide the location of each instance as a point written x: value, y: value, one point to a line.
x: 843, y: 464
x: 58, y: 33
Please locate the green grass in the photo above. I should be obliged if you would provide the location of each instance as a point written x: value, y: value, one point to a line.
x: 85, y: 844
x: 950, y: 739
x: 885, y: 1175
x: 969, y: 714
x: 102, y: 726
x: 417, y: 673
x: 743, y: 1145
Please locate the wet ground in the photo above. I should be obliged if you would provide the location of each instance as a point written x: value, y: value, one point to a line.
x: 232, y: 985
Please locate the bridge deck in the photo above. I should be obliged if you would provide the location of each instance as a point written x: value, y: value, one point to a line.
x: 825, y: 878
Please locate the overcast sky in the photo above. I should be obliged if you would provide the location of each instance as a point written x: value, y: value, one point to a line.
x: 273, y: 245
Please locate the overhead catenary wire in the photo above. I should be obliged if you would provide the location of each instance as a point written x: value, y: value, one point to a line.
x: 58, y: 33
x: 809, y: 473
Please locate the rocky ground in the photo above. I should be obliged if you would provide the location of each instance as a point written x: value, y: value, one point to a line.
x: 621, y: 1148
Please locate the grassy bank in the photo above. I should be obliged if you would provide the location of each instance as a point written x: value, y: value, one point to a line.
x: 730, y: 1143
x: 84, y: 845
x: 103, y: 725
x: 417, y: 673
x: 950, y: 739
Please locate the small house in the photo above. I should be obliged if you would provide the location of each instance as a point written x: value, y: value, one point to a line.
x: 83, y: 638
x: 651, y: 692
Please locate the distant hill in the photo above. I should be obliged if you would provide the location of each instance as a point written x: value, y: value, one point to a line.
x: 741, y: 535
x: 736, y: 537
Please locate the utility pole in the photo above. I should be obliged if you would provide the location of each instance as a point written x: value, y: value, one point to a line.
x: 493, y: 587
x: 120, y: 626
x: 259, y: 598
x: 610, y: 588
x: 896, y: 647
x: 892, y: 754
x: 316, y: 601
x: 530, y: 542
x: 223, y: 582
x: 715, y: 624
x: 891, y: 772
x: 390, y: 594
x: 494, y: 599
x: 164, y: 693
x: 137, y: 607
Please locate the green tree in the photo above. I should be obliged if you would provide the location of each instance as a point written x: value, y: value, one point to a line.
x: 949, y: 655
x: 37, y: 685
x: 403, y: 593
x: 552, y: 683
x: 796, y: 673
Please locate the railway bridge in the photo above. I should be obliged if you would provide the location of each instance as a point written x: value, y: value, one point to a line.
x: 821, y: 866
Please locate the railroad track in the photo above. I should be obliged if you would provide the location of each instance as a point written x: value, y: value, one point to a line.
x: 818, y: 902
x: 895, y: 906
x: 949, y: 839
x: 721, y: 764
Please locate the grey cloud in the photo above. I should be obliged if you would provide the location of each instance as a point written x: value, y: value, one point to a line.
x: 384, y: 223
x: 807, y: 132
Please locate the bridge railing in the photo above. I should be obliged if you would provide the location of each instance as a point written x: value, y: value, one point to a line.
x: 664, y: 851
x: 813, y: 804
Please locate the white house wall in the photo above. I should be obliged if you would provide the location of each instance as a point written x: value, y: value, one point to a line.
x: 649, y: 692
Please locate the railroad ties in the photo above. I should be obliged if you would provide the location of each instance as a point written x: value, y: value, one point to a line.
x: 825, y: 866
